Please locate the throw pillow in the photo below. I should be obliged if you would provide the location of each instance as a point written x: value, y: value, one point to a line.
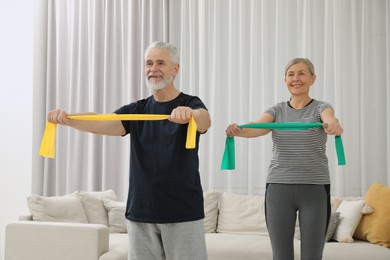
x: 116, y: 216
x: 375, y: 227
x: 242, y: 214
x: 333, y: 222
x: 93, y: 205
x: 211, y: 199
x: 56, y: 209
x: 350, y: 215
x: 335, y: 203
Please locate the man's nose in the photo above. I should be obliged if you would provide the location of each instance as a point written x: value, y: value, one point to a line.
x: 154, y: 67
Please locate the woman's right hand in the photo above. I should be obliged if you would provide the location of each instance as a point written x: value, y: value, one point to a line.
x: 58, y: 116
x: 233, y: 130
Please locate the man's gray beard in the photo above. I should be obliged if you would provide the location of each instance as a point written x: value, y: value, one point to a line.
x: 160, y: 85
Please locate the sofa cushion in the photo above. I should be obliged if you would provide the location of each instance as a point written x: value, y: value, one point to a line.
x: 242, y: 214
x: 119, y: 248
x: 56, y: 209
x: 223, y: 246
x: 350, y: 215
x: 358, y: 250
x: 375, y: 227
x: 211, y: 200
x: 116, y: 216
x: 93, y: 205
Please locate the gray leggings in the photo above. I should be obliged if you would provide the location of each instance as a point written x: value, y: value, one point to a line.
x: 282, y: 202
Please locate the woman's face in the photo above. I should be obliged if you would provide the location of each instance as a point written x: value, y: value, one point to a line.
x: 299, y: 79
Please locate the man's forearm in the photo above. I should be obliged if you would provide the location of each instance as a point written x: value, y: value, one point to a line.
x: 202, y: 119
x: 113, y: 128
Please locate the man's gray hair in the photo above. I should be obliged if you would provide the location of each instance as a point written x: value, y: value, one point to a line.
x: 174, y: 55
x: 305, y: 61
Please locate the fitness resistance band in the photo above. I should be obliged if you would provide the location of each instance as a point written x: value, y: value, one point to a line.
x: 229, y: 161
x: 48, y: 144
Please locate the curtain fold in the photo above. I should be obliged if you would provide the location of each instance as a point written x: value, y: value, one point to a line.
x: 95, y: 63
x: 233, y: 55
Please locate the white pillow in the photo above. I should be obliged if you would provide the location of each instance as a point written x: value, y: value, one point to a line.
x: 56, y: 209
x: 93, y: 205
x: 116, y: 216
x: 350, y: 215
x: 211, y: 199
x: 242, y: 214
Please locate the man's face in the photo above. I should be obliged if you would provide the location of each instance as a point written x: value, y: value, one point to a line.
x: 159, y: 70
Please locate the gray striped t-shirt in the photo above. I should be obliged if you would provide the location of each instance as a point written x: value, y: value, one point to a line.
x: 299, y: 156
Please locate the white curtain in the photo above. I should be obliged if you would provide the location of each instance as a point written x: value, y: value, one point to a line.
x: 95, y: 63
x: 233, y: 55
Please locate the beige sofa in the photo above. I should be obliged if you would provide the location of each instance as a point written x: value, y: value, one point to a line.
x: 234, y: 225
x: 82, y: 225
x: 241, y: 233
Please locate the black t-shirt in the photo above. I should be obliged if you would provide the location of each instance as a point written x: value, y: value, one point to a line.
x: 164, y: 176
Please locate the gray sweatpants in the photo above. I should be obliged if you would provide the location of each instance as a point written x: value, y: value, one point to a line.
x: 282, y: 202
x: 173, y: 241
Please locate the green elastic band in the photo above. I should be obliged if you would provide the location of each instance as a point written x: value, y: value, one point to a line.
x: 229, y: 161
x: 339, y: 150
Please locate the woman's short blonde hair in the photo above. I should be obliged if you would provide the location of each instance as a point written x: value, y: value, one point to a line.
x: 307, y: 62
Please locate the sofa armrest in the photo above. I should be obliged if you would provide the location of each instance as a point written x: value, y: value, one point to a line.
x: 34, y: 240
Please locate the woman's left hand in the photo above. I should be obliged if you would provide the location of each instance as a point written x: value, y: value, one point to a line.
x: 333, y: 127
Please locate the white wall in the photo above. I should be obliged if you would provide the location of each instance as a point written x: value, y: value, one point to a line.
x: 16, y: 84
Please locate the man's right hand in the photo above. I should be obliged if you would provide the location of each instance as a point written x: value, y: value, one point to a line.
x: 58, y: 116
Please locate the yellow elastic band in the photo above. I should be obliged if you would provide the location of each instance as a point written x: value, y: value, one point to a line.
x: 48, y: 144
x: 112, y: 117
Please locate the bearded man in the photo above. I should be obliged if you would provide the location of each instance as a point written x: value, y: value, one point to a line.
x: 164, y: 211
